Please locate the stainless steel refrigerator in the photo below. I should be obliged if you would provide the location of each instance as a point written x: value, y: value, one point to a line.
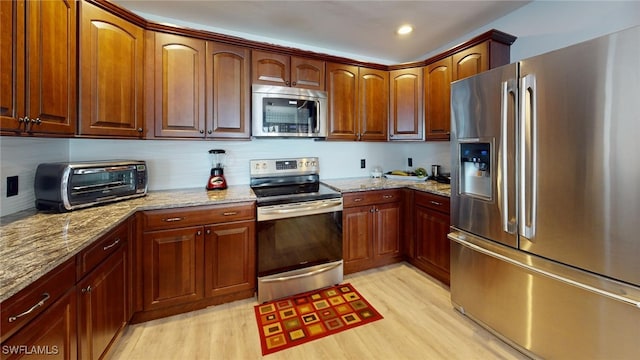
x: 545, y: 200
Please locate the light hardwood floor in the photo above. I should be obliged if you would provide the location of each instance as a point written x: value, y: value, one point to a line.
x: 419, y: 323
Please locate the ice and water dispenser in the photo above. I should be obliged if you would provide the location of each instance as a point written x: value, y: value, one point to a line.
x: 475, y: 169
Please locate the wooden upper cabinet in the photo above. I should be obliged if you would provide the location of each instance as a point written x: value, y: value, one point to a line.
x: 38, y: 67
x: 228, y: 93
x: 437, y: 103
x: 342, y: 92
x: 471, y: 61
x: 307, y: 73
x: 373, y: 104
x: 111, y: 75
x: 284, y: 70
x: 178, y: 78
x: 406, y: 102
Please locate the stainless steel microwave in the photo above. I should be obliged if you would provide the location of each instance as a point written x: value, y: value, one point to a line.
x: 68, y: 186
x: 279, y: 111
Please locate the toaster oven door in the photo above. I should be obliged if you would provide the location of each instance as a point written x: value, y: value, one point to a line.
x: 91, y: 185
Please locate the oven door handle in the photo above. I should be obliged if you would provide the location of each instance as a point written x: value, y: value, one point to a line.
x: 302, y: 209
x: 303, y: 275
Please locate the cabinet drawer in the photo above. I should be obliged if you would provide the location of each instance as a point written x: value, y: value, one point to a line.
x: 197, y: 215
x: 24, y: 306
x: 371, y: 197
x: 435, y: 202
x: 102, y: 248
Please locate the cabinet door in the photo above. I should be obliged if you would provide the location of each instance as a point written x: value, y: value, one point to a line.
x: 111, y: 75
x: 173, y: 267
x: 406, y: 113
x: 437, y: 100
x: 373, y: 104
x: 471, y: 61
x: 38, y: 67
x: 270, y: 68
x: 52, y: 333
x: 228, y: 93
x: 342, y: 91
x: 387, y: 230
x: 179, y: 85
x: 357, y: 238
x: 230, y: 258
x: 11, y: 65
x: 102, y: 305
x: 307, y: 73
x: 432, y: 245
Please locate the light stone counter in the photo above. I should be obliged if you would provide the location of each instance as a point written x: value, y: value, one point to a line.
x: 33, y: 243
x: 365, y: 184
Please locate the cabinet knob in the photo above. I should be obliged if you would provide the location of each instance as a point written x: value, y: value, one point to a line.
x: 287, y: 83
x: 37, y: 121
x: 372, y: 210
x: 86, y: 290
x: 293, y: 83
x: 390, y: 135
x: 24, y: 119
x: 199, y: 233
x: 209, y: 132
x: 208, y: 231
x: 201, y: 131
x: 139, y: 130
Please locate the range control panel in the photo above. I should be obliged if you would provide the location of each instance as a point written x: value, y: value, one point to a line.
x: 277, y: 167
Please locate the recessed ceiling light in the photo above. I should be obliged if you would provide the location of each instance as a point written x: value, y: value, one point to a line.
x: 405, y: 29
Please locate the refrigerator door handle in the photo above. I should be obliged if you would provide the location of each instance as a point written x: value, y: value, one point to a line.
x: 508, y: 93
x: 528, y: 158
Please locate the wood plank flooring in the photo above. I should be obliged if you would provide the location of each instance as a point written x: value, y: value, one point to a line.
x: 419, y: 323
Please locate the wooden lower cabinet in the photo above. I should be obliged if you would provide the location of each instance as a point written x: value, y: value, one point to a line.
x: 432, y: 249
x: 371, y: 229
x: 195, y: 257
x: 102, y: 305
x: 230, y: 258
x: 173, y: 261
x: 51, y: 335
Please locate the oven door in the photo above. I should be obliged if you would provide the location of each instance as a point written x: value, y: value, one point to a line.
x: 299, y: 247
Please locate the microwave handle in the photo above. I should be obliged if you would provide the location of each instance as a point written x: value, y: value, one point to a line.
x: 316, y: 120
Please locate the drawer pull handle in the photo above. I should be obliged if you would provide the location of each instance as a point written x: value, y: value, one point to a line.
x: 229, y: 213
x: 173, y: 219
x: 112, y: 245
x: 435, y: 203
x: 387, y: 196
x: 357, y: 199
x: 46, y: 297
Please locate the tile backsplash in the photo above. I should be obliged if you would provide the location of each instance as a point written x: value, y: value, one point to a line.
x: 175, y: 164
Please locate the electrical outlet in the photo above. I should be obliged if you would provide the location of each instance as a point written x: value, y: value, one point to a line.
x: 12, y: 185
x: 410, y: 162
x: 363, y: 163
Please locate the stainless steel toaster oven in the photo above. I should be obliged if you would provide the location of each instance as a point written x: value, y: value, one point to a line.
x: 68, y: 186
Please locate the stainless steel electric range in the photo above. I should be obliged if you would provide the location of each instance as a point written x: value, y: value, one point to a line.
x: 299, y: 231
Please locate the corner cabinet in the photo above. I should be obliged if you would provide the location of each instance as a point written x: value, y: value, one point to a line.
x: 485, y: 52
x: 405, y: 112
x: 372, y: 229
x: 38, y: 91
x: 284, y: 70
x: 358, y: 103
x: 196, y: 88
x: 111, y: 75
x: 196, y: 257
x: 432, y: 221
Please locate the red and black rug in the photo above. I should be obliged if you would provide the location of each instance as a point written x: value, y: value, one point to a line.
x: 298, y: 319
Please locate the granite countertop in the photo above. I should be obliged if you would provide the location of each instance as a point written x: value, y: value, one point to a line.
x: 365, y: 184
x: 32, y: 243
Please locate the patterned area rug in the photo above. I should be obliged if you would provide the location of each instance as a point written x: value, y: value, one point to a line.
x: 301, y: 318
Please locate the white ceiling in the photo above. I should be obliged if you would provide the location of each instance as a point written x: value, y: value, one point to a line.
x: 363, y: 29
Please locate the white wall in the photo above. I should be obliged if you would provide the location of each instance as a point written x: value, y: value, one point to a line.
x: 185, y: 163
x: 540, y: 26
x: 21, y: 156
